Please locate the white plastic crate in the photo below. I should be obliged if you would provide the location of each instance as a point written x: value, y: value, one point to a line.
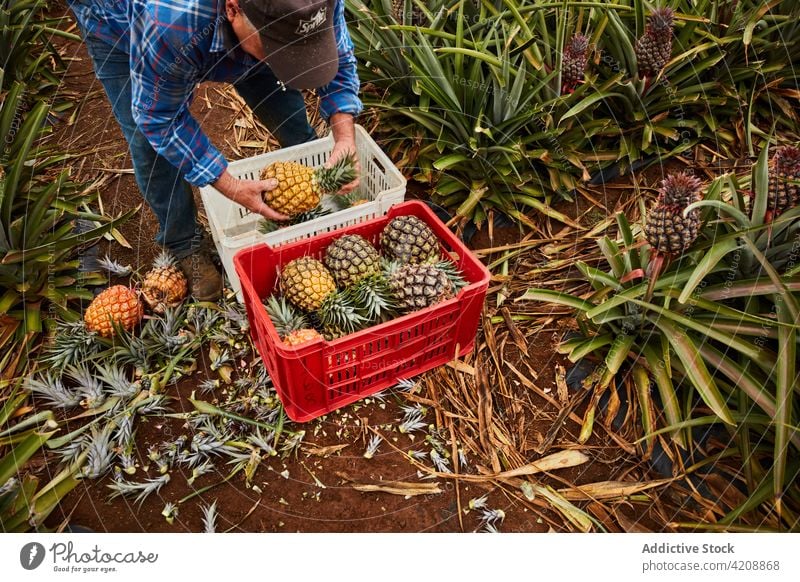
x: 233, y: 227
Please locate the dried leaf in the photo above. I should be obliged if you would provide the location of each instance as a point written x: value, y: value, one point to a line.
x: 609, y: 489
x: 399, y: 488
x: 325, y: 451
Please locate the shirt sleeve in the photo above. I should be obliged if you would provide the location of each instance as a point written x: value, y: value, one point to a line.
x: 341, y: 94
x: 163, y: 75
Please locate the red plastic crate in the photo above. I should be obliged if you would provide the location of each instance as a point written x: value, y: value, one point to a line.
x: 321, y: 376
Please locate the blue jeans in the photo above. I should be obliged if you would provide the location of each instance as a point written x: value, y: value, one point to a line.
x: 166, y: 192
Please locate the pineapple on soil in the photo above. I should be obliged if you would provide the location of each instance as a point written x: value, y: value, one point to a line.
x: 573, y: 66
x: 783, y: 194
x: 118, y: 305
x: 654, y: 47
x: 667, y: 230
x: 407, y: 239
x: 300, y: 188
x: 165, y: 284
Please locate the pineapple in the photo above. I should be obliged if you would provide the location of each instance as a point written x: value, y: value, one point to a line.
x: 116, y: 305
x: 165, y: 285
x: 306, y: 283
x: 784, y: 195
x: 350, y: 258
x: 399, y: 13
x: 573, y: 65
x: 300, y: 188
x: 418, y: 286
x: 409, y: 240
x: 654, y: 47
x: 302, y: 336
x: 667, y: 230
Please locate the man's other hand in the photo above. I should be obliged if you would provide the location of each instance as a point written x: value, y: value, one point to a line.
x: 344, y: 137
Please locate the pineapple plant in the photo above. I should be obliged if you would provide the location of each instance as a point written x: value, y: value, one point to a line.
x: 573, y: 65
x: 300, y: 188
x: 350, y: 258
x: 117, y: 305
x: 408, y: 239
x: 667, y: 230
x: 165, y: 284
x: 654, y: 47
x: 418, y: 286
x: 783, y: 194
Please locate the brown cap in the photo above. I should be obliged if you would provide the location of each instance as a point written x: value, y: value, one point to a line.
x: 299, y: 39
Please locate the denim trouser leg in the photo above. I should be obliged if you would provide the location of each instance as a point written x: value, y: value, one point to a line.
x: 167, y: 193
x: 283, y: 111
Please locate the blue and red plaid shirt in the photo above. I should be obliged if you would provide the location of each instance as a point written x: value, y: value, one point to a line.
x: 176, y: 44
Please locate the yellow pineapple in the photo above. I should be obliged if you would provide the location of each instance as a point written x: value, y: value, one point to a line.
x: 306, y: 282
x: 116, y: 305
x: 165, y: 284
x: 300, y: 188
x: 310, y: 286
x: 301, y: 336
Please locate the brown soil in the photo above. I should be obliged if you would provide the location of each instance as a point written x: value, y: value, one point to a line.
x: 295, y: 502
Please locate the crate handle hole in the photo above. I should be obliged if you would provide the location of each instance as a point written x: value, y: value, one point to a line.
x: 380, y: 167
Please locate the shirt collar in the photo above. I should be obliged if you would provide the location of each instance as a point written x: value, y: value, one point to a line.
x: 222, y: 41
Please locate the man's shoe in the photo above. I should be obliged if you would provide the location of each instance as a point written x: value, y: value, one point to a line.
x: 205, y: 281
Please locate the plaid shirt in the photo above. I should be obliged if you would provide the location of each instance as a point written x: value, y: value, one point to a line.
x: 176, y: 44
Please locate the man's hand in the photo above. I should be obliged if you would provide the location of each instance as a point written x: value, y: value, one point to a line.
x: 249, y: 193
x: 344, y: 138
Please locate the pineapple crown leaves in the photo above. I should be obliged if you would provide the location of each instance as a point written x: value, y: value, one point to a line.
x: 86, y: 384
x: 266, y: 226
x: 457, y: 281
x: 141, y: 490
x: 53, y: 390
x: 680, y: 189
x: 210, y: 517
x: 577, y: 45
x: 340, y: 173
x: 339, y: 312
x: 284, y: 316
x: 117, y: 381
x: 372, y: 446
x: 373, y: 297
x: 165, y: 260
x: 661, y: 19
x: 166, y: 334
x: 348, y: 200
x: 100, y: 454
x: 113, y: 267
x: 72, y: 343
